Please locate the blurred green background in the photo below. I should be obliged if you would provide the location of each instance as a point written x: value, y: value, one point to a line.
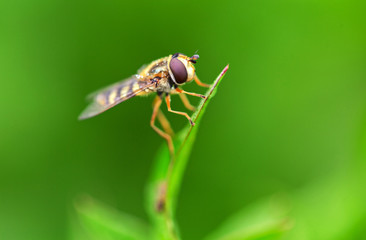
x: 288, y: 118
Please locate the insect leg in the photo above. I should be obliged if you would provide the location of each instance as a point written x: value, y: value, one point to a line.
x: 186, y: 102
x: 199, y: 83
x: 167, y: 137
x: 190, y: 93
x: 167, y: 100
x: 165, y: 123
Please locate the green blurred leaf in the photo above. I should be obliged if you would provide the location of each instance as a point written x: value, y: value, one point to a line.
x: 331, y: 208
x: 266, y: 219
x: 101, y: 222
x: 167, y: 174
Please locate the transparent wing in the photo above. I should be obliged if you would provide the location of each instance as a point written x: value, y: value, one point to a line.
x: 114, y: 94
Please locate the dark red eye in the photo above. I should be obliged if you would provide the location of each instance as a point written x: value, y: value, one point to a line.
x: 179, y: 71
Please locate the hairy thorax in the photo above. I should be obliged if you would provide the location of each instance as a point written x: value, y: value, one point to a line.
x: 157, y: 71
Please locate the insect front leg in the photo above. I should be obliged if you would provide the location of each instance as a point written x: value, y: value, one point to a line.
x: 190, y: 93
x: 199, y: 83
x: 167, y: 137
x: 167, y: 100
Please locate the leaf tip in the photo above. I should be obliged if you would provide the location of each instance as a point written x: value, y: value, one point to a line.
x: 224, y: 71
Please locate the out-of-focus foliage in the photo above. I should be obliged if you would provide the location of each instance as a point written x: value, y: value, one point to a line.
x: 96, y: 221
x: 289, y: 120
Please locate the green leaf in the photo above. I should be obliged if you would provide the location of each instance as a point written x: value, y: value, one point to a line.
x: 266, y: 219
x: 97, y: 221
x: 168, y: 171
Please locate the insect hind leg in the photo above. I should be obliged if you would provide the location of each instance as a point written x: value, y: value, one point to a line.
x: 164, y: 122
x: 186, y: 102
x: 166, y: 136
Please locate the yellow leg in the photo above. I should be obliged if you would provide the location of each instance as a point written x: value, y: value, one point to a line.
x: 167, y: 100
x: 186, y: 102
x: 190, y: 93
x: 167, y: 137
x: 165, y: 123
x: 199, y: 83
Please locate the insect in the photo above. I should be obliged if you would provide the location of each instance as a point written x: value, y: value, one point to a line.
x: 164, y: 77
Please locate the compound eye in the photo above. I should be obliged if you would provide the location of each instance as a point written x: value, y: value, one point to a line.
x: 179, y: 71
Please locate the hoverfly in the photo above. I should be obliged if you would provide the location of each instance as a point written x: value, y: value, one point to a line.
x: 163, y: 76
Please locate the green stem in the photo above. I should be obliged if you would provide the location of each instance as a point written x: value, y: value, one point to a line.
x: 168, y: 173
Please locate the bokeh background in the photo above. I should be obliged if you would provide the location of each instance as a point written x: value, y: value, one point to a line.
x: 289, y: 117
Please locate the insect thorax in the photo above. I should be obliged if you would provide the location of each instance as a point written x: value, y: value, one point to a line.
x: 158, y: 70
